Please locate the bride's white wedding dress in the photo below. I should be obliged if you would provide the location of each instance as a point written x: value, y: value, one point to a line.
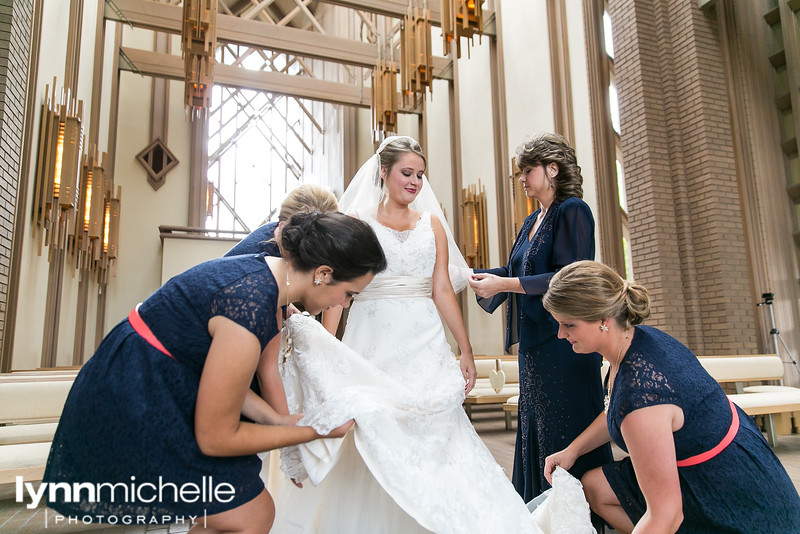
x: 413, y: 462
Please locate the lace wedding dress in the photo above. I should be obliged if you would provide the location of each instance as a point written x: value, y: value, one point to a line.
x: 413, y: 462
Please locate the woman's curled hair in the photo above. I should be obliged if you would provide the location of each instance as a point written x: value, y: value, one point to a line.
x: 345, y: 244
x: 547, y: 148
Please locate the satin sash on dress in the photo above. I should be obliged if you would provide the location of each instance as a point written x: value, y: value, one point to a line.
x: 386, y: 287
x: 705, y: 456
x: 143, y: 330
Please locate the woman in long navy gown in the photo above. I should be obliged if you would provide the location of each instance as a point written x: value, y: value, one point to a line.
x: 560, y: 393
x: 696, y: 462
x: 154, y: 419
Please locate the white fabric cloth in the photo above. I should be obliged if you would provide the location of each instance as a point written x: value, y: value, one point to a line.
x: 413, y: 462
x: 364, y: 194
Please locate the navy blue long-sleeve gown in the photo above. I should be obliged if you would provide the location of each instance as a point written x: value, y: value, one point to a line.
x: 560, y: 392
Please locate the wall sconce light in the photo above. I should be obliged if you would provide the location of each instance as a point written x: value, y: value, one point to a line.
x: 476, y: 242
x: 111, y: 215
x: 384, y: 98
x: 111, y: 225
x: 58, y: 168
x: 416, y: 63
x: 89, y: 223
x: 199, y: 44
x: 460, y: 18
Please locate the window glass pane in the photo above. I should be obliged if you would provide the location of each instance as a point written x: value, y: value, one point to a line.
x: 614, y: 105
x: 626, y: 250
x: 623, y: 198
x: 607, y: 34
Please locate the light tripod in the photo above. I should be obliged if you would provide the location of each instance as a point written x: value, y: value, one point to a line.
x: 774, y: 332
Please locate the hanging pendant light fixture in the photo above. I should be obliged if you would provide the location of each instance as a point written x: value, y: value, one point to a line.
x: 199, y: 45
x: 460, y: 18
x: 416, y: 63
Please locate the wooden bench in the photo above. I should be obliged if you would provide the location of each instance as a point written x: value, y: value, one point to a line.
x: 506, y: 383
x: 512, y: 404
x: 765, y: 400
x: 757, y: 400
x: 30, y: 406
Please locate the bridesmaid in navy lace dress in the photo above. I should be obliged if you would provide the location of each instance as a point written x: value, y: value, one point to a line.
x: 560, y: 393
x: 159, y: 404
x: 696, y: 462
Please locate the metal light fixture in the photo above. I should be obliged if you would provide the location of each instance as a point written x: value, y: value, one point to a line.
x: 476, y: 238
x: 199, y: 44
x: 416, y: 64
x: 111, y: 216
x: 384, y: 98
x: 89, y: 225
x: 58, y: 168
x: 460, y: 18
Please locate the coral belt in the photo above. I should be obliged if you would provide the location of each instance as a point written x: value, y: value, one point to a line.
x: 143, y: 330
x: 705, y: 456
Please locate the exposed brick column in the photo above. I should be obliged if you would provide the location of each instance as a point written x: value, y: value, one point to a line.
x: 683, y: 196
x: 15, y: 28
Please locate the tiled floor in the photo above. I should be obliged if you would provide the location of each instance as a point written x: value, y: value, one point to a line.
x: 17, y: 519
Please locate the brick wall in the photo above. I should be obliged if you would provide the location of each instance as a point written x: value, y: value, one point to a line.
x: 15, y: 25
x: 687, y: 235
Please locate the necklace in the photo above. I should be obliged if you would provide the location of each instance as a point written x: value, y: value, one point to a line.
x: 286, y: 348
x: 607, y: 399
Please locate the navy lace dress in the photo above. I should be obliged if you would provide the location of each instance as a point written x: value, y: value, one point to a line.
x: 561, y: 392
x: 129, y: 418
x: 742, y: 489
x: 258, y: 241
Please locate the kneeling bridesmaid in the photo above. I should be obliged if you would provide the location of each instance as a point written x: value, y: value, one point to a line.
x: 696, y: 462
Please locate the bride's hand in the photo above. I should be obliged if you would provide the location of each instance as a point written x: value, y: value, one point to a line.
x: 291, y: 309
x: 467, y: 364
x: 338, y: 432
x: 564, y: 458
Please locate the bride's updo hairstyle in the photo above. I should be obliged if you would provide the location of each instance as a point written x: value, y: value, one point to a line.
x: 345, y: 244
x: 590, y: 291
x: 392, y: 148
x: 548, y: 148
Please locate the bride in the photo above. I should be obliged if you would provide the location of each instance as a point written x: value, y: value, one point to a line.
x: 414, y: 463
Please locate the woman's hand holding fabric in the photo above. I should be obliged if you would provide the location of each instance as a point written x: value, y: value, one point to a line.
x: 564, y: 458
x: 486, y: 285
x: 340, y: 431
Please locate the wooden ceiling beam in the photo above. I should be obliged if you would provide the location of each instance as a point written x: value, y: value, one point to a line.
x: 169, y: 66
x: 168, y: 18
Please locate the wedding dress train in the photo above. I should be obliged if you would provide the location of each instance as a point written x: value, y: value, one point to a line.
x: 412, y: 463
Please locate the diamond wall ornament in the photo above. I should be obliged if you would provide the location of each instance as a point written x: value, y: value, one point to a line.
x: 157, y: 160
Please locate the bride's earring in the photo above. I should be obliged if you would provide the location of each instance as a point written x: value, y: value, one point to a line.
x: 317, y: 281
